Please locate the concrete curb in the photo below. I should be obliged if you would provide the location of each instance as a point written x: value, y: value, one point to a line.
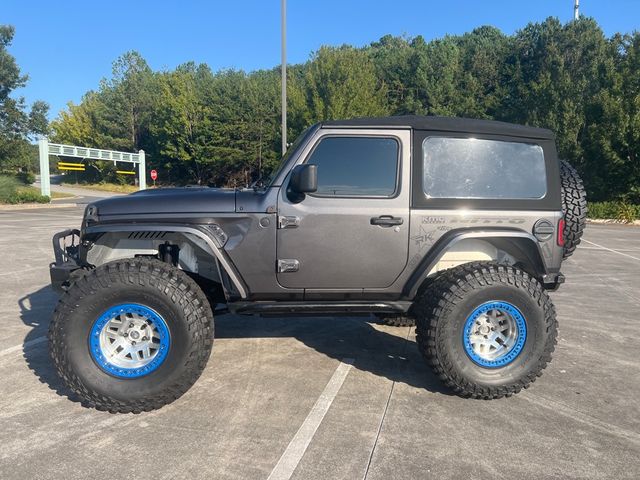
x: 30, y: 206
x: 611, y: 221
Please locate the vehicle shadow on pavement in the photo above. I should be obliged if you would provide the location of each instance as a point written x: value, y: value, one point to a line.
x: 390, y: 355
x: 394, y: 356
x: 36, y: 310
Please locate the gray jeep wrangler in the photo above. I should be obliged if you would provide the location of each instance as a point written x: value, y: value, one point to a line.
x: 461, y: 225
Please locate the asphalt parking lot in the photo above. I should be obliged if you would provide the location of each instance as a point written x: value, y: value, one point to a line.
x: 331, y: 398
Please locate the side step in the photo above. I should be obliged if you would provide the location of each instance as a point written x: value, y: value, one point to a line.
x: 317, y: 308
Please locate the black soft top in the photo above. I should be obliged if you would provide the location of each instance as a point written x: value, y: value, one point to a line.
x: 446, y: 124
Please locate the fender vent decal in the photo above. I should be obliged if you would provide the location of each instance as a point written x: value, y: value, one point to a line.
x: 147, y: 235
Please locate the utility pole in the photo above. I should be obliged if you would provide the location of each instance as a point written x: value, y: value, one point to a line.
x: 576, y: 9
x: 283, y: 8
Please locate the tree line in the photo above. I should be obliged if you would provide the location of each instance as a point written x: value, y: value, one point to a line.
x: 19, y: 123
x: 223, y: 128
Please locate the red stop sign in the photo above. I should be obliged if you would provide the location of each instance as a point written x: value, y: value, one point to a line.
x: 154, y: 175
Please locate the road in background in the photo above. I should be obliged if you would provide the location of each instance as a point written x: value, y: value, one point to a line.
x: 281, y: 397
x: 80, y: 195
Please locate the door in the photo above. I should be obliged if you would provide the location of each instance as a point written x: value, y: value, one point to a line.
x: 353, y: 233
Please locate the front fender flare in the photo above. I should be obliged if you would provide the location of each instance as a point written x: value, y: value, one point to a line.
x: 213, y: 242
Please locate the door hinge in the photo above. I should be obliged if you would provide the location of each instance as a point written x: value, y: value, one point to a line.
x: 288, y: 222
x: 287, y: 265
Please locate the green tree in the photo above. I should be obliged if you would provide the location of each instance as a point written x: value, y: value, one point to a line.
x: 559, y: 77
x: 182, y: 121
x: 481, y: 82
x: 611, y: 145
x: 223, y: 128
x: 117, y: 115
x: 392, y: 57
x: 18, y: 124
x: 342, y: 83
x: 81, y: 124
x: 437, y: 69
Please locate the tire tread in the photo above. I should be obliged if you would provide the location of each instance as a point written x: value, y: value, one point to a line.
x: 451, y: 287
x: 177, y: 286
x: 574, y: 207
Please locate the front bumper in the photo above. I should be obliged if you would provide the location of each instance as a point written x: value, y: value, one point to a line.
x: 66, y: 268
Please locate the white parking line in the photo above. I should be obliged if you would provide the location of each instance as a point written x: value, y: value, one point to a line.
x: 619, y: 249
x: 610, y: 250
x: 25, y: 345
x: 298, y: 445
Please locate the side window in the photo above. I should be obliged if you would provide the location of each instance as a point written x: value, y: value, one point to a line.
x: 478, y: 168
x: 356, y: 166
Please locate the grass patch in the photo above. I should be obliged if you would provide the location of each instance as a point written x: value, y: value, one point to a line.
x: 55, y: 195
x: 13, y: 192
x: 105, y: 187
x: 622, y: 211
x: 8, y: 187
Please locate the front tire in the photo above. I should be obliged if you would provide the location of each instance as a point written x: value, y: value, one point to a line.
x: 131, y: 335
x: 487, y: 330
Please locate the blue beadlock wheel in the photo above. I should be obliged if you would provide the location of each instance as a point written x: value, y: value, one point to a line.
x: 494, y: 334
x: 129, y: 341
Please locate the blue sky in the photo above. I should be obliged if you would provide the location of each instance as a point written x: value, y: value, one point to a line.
x: 66, y: 47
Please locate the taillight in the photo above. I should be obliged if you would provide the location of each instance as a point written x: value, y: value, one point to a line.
x: 561, y: 232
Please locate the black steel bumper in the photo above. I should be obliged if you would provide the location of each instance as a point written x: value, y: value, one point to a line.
x: 65, y: 250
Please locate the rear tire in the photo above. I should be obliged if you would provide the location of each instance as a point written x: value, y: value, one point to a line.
x: 574, y: 207
x: 455, y: 323
x: 91, y: 335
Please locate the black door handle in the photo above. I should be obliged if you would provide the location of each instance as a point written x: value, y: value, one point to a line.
x: 386, y: 221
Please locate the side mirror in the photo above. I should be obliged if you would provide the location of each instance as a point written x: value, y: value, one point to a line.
x: 304, y: 179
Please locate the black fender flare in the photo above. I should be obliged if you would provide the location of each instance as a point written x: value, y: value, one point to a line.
x: 204, y: 232
x: 513, y: 241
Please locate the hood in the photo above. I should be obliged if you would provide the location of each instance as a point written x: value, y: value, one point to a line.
x: 170, y: 201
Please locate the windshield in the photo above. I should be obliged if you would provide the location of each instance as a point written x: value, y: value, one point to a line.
x: 294, y: 146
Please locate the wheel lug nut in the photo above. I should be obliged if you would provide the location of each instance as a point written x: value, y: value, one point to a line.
x: 144, y: 339
x: 131, y: 325
x: 133, y: 343
x: 125, y: 334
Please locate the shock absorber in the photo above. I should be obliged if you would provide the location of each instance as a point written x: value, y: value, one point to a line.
x: 169, y: 253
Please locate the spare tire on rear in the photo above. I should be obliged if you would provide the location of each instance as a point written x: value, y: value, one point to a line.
x: 574, y: 207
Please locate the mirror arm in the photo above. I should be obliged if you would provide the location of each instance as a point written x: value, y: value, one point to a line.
x: 295, y: 197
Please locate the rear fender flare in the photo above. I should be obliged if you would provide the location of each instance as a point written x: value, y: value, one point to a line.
x: 518, y: 243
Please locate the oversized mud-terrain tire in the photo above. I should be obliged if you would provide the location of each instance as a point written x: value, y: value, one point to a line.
x: 397, y: 320
x: 487, y: 330
x: 131, y: 336
x: 574, y: 207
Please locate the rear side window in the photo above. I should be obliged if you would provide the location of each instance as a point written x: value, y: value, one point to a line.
x: 356, y: 166
x: 479, y: 168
